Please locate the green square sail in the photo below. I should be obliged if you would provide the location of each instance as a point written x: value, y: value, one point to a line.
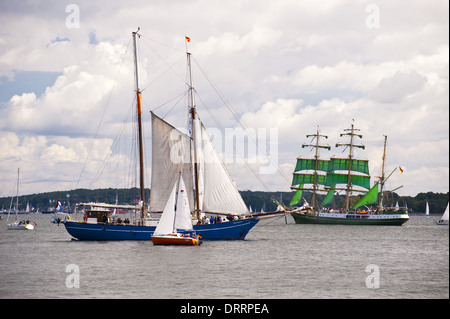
x: 342, y: 164
x: 307, y: 179
x: 333, y: 178
x: 304, y: 164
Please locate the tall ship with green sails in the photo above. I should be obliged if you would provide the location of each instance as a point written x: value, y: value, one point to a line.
x: 336, y: 175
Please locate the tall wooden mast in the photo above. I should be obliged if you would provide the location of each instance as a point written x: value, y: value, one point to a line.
x: 17, y: 195
x: 139, y: 119
x: 382, y: 179
x: 193, y: 115
x: 316, y: 162
x: 351, y: 133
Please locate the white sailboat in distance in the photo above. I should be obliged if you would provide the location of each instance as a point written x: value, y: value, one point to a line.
x: 18, y: 224
x: 444, y: 218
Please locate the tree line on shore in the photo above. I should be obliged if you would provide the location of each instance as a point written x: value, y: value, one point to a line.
x: 255, y: 200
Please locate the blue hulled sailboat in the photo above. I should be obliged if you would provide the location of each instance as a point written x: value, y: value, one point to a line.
x: 210, y: 188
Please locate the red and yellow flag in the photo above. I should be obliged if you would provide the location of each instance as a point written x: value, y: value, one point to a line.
x: 188, y: 39
x: 401, y: 171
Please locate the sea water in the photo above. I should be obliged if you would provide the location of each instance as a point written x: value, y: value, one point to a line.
x: 276, y: 260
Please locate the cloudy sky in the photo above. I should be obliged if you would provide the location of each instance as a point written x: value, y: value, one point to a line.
x: 283, y: 67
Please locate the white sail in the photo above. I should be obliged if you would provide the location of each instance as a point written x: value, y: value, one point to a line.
x: 183, y: 213
x: 175, y: 216
x: 170, y: 155
x: 445, y: 215
x: 220, y: 192
x: 165, y: 225
x: 427, y: 210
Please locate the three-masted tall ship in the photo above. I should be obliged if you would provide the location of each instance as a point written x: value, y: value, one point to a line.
x: 335, y: 175
x: 209, y: 186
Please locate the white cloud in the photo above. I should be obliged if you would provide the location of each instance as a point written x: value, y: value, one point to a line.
x: 57, y: 163
x: 77, y: 95
x: 230, y: 43
x: 397, y: 87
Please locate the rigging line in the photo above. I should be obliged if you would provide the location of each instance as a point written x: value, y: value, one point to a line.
x: 113, y: 146
x: 270, y: 221
x: 182, y: 94
x: 170, y: 67
x: 104, y: 112
x: 161, y: 43
x: 182, y: 97
x: 222, y: 129
x: 234, y: 146
x: 241, y: 123
x: 221, y: 96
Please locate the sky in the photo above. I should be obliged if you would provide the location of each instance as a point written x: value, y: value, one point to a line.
x: 283, y: 70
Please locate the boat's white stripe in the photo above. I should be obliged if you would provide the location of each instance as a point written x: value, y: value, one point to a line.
x: 244, y: 223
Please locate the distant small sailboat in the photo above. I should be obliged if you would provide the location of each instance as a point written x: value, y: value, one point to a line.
x: 444, y: 218
x: 22, y: 224
x: 427, y: 210
x: 176, y: 216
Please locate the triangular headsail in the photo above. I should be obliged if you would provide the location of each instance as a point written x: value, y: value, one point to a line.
x: 297, y: 197
x: 176, y: 214
x: 329, y: 197
x: 370, y: 197
x: 220, y: 192
x: 183, y: 213
x: 445, y: 215
x: 165, y: 225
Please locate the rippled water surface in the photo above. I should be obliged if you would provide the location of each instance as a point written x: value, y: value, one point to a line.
x: 275, y: 261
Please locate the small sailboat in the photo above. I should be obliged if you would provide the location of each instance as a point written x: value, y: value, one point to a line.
x: 19, y: 224
x: 444, y: 218
x: 176, y: 216
x: 427, y: 211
